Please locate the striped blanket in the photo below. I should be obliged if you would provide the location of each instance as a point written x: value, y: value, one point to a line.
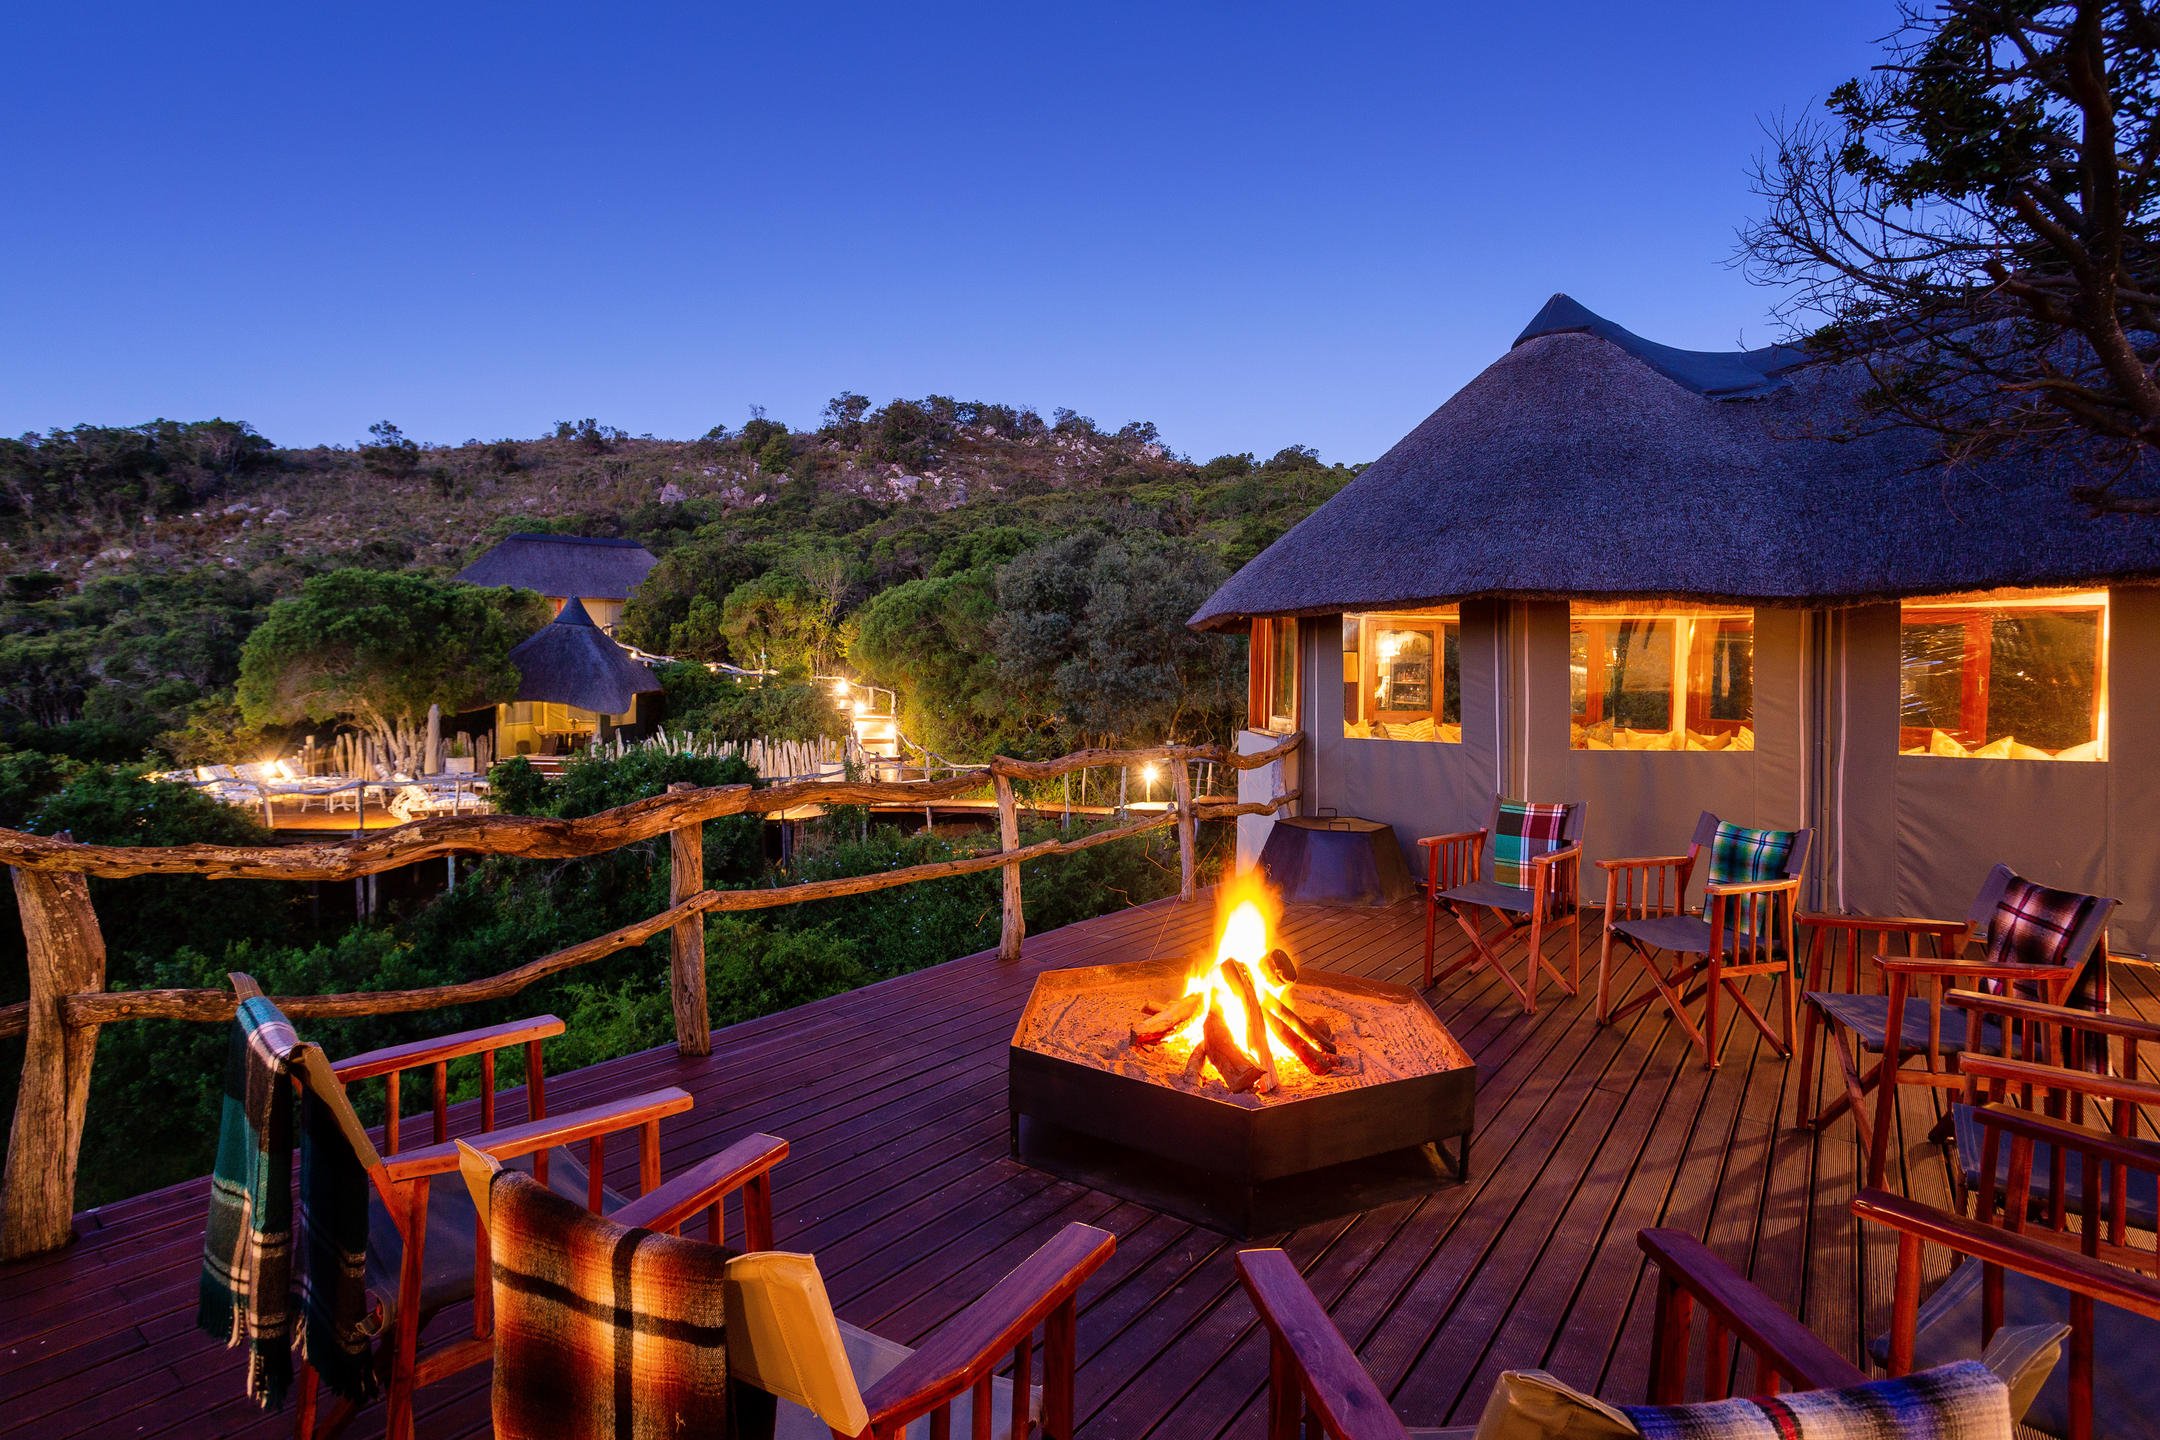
x: 246, y: 1287
x: 1965, y: 1401
x: 601, y: 1332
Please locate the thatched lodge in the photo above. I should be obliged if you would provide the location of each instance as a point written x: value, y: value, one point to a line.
x: 1664, y: 581
x: 599, y: 573
x: 575, y: 685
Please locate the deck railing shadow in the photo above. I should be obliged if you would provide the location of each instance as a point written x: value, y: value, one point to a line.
x: 69, y: 1001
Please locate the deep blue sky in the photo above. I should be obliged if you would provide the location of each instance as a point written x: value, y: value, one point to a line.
x: 1253, y: 225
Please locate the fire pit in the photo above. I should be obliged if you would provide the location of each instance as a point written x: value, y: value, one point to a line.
x: 1238, y: 1089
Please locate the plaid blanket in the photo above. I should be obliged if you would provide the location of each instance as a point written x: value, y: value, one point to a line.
x: 2032, y: 925
x: 1965, y: 1401
x: 1521, y: 833
x: 246, y: 1287
x: 601, y: 1332
x: 338, y: 1322
x: 1740, y: 856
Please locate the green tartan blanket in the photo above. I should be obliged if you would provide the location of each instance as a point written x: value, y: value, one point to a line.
x: 246, y: 1288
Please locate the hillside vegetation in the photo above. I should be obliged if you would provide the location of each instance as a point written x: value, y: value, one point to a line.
x: 1021, y: 582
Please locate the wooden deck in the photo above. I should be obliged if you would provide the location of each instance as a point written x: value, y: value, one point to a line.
x: 893, y: 1098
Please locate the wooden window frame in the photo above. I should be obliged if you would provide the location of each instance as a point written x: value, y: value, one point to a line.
x: 1260, y: 692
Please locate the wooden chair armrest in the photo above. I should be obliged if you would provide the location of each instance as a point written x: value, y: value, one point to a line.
x: 1886, y: 924
x: 1456, y: 838
x: 1335, y: 1382
x: 2091, y: 1022
x: 1641, y: 862
x: 977, y: 1340
x: 705, y: 1184
x: 2108, y: 1283
x: 1713, y: 888
x: 439, y: 1048
x: 568, y: 1128
x: 2142, y: 1155
x: 1789, y: 1347
x: 1554, y: 857
x: 2057, y: 1077
x: 1973, y: 969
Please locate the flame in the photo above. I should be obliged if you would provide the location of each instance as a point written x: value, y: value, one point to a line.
x: 1248, y: 911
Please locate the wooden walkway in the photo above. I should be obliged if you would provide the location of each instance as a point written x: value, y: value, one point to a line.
x: 893, y: 1098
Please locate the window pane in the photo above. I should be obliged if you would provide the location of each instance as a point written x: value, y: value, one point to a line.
x: 1282, y: 697
x: 1402, y: 676
x: 2006, y: 676
x: 1628, y: 690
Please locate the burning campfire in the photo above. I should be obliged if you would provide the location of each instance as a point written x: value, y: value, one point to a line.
x: 1236, y: 1017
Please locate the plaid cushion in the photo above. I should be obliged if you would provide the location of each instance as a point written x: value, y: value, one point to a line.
x: 1740, y: 856
x: 245, y: 1292
x: 1965, y: 1401
x: 601, y: 1331
x: 1523, y: 832
x: 2032, y: 925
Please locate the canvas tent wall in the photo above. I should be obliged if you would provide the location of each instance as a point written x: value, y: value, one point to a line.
x: 1589, y: 466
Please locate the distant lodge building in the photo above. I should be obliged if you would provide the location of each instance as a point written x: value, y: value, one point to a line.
x: 576, y: 684
x: 1665, y: 581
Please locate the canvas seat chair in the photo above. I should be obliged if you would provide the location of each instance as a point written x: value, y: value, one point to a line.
x: 1317, y: 1387
x: 801, y: 1373
x: 423, y: 1253
x: 1742, y: 931
x: 2075, y: 1067
x: 1913, y: 989
x: 2016, y: 1269
x: 1461, y: 879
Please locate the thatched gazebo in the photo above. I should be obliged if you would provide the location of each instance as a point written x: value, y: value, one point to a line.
x: 574, y: 685
x: 1668, y: 580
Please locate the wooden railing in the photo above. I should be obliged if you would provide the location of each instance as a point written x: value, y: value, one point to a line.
x: 69, y: 1000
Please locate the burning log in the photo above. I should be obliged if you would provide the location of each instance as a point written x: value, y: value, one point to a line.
x: 1279, y: 968
x: 1299, y: 1039
x: 1167, y: 1021
x: 1234, y: 1065
x: 1256, y: 1029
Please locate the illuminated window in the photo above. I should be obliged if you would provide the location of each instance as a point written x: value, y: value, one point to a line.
x: 2009, y: 675
x: 1272, y: 699
x: 1402, y: 675
x: 1661, y: 677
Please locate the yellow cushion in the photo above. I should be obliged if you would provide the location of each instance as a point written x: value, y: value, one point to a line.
x: 783, y: 1339
x: 1532, y: 1405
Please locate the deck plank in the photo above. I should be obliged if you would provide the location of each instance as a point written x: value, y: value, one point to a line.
x: 893, y: 1101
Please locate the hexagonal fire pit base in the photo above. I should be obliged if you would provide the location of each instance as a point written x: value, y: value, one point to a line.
x: 1086, y: 1106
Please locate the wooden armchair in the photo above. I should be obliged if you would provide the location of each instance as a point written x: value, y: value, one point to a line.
x: 1907, y: 1018
x: 1744, y: 930
x: 2012, y: 1275
x: 1456, y: 881
x: 801, y: 1373
x: 1316, y: 1385
x: 2060, y: 1063
x: 423, y: 1251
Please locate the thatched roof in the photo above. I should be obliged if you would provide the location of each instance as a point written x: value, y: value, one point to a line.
x: 563, y: 565
x: 1590, y: 462
x: 569, y: 662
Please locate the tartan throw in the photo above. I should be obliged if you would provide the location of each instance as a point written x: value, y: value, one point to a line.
x: 1741, y: 856
x: 338, y: 1323
x: 601, y: 1332
x: 1965, y: 1401
x: 1521, y: 833
x: 2032, y: 925
x: 246, y: 1287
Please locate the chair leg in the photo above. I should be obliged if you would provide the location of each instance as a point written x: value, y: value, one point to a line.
x: 304, y: 1407
x: 1886, y: 1100
x: 1575, y: 966
x: 1604, y: 973
x: 1710, y: 1014
x: 1806, y: 1101
x: 405, y: 1340
x: 1537, y: 958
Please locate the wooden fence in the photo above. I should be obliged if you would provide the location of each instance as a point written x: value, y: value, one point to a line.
x: 69, y: 1002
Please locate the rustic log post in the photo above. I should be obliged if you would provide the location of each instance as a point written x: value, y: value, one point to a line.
x: 1014, y: 929
x: 686, y: 942
x: 1181, y: 777
x: 67, y: 957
